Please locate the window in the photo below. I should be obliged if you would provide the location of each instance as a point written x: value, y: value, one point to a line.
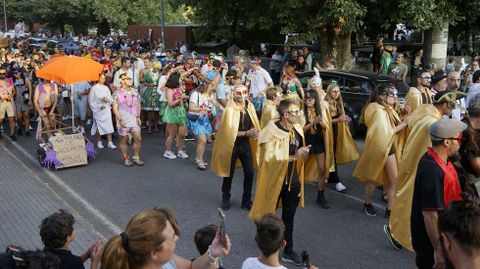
x: 352, y: 87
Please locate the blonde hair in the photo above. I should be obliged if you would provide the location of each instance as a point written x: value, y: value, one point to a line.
x: 334, y: 104
x: 132, y: 248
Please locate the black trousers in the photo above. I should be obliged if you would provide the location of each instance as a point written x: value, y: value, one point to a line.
x: 333, y: 176
x: 242, y: 151
x: 290, y: 199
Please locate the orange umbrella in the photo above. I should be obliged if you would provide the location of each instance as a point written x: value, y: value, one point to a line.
x: 70, y: 69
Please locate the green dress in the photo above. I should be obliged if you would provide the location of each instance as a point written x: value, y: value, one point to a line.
x: 176, y: 114
x: 150, y: 96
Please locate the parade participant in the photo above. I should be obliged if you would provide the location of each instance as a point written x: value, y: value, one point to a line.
x: 436, y: 185
x: 149, y: 242
x: 175, y: 116
x: 378, y: 164
x: 258, y: 80
x: 453, y: 84
x: 292, y: 88
x: 125, y: 69
x: 315, y: 83
x: 126, y: 108
x: 470, y: 148
x: 198, y: 121
x: 415, y: 147
x: 150, y: 97
x: 147, y: 68
x: 7, y: 93
x: 269, y: 110
x: 344, y: 148
x: 100, y: 101
x: 420, y: 94
x: 314, y: 127
x: 236, y: 138
x: 45, y: 101
x: 239, y: 67
x: 459, y: 235
x: 80, y: 92
x: 23, y: 101
x: 280, y: 173
x: 439, y: 82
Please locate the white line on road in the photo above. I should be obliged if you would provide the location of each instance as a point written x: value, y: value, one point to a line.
x: 87, y: 206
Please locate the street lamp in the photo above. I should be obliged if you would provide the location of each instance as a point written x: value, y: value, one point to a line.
x: 162, y: 18
x: 5, y: 15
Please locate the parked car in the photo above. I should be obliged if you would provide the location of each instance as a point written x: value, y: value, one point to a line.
x: 356, y: 87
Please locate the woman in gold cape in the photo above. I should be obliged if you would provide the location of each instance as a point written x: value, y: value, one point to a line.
x: 269, y: 108
x: 378, y: 163
x: 418, y: 140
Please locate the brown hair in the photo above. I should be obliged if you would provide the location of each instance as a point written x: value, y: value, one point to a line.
x: 132, y: 249
x: 269, y: 235
x: 289, y: 71
x: 55, y: 228
x: 272, y: 92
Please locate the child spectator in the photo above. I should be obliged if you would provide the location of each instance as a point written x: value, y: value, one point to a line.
x: 203, y: 238
x: 57, y: 232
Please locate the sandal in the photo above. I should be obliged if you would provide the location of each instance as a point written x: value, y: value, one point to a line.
x: 137, y: 161
x: 127, y: 162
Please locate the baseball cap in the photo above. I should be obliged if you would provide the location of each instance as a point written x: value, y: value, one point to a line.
x: 475, y: 76
x: 446, y: 128
x: 439, y: 75
x: 448, y: 96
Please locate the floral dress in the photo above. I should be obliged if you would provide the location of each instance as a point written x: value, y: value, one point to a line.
x: 176, y: 114
x: 150, y: 96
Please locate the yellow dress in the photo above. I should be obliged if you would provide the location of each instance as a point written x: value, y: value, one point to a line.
x: 274, y: 156
x: 414, y: 98
x: 269, y: 113
x: 311, y: 169
x: 226, y: 136
x: 379, y: 140
x: 419, y: 123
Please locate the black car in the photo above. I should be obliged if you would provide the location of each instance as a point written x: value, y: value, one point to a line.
x: 356, y: 87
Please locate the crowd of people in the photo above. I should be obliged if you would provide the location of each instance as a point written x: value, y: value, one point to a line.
x: 423, y: 153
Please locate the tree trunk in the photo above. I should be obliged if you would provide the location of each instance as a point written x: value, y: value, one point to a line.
x: 435, y: 46
x: 103, y: 27
x: 343, y: 47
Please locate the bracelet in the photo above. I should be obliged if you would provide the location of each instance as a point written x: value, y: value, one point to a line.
x: 211, y: 260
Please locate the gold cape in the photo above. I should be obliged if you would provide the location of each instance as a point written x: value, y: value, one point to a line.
x: 274, y: 148
x: 414, y: 98
x: 226, y: 136
x: 417, y: 142
x: 269, y: 113
x: 346, y: 150
x: 380, y: 137
x: 311, y: 169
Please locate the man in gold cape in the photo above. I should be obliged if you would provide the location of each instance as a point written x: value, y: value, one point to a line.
x: 419, y: 95
x: 280, y: 175
x: 236, y: 140
x: 269, y: 109
x: 419, y: 123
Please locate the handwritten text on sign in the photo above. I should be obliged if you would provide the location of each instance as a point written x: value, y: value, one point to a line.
x: 70, y: 149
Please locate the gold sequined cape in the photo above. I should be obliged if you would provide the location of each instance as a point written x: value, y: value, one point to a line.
x: 269, y: 113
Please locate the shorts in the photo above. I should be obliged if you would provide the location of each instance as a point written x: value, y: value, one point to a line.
x: 6, y: 107
x: 128, y: 130
x: 425, y: 259
x: 316, y: 141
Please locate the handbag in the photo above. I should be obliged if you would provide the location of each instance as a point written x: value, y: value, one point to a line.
x: 193, y: 116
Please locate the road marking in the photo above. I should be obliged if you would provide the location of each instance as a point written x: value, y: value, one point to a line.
x: 75, y: 195
x: 355, y: 198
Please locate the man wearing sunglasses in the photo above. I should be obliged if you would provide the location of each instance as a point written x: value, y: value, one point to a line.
x: 436, y: 185
x: 453, y: 84
x: 236, y: 140
x: 7, y: 91
x: 419, y: 122
x: 420, y: 94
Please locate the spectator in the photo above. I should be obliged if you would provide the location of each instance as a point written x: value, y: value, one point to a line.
x: 16, y: 257
x: 258, y: 80
x: 418, y: 64
x: 475, y: 88
x: 459, y: 235
x: 276, y: 66
x: 439, y: 82
x: 57, y: 233
x: 386, y: 60
x: 398, y: 69
x: 308, y: 59
x: 149, y: 242
x: 453, y: 84
x: 377, y: 54
x: 450, y: 66
x: 204, y: 237
x: 470, y: 148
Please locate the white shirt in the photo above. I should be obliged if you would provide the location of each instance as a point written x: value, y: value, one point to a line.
x: 258, y: 81
x: 254, y: 263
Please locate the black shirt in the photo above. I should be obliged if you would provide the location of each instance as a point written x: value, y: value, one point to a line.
x: 295, y: 144
x: 67, y: 259
x: 427, y: 196
x: 244, y: 125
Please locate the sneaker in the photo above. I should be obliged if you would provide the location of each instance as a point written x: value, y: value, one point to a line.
x: 110, y: 145
x: 395, y: 244
x: 136, y: 160
x: 201, y: 166
x: 127, y: 162
x: 369, y: 210
x: 30, y: 128
x: 100, y: 145
x: 340, y: 187
x: 189, y: 137
x: 169, y: 155
x: 197, y: 161
x: 13, y: 137
x: 292, y: 257
x: 182, y: 154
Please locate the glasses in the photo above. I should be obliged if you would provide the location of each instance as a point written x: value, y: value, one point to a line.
x: 309, y: 98
x: 427, y: 78
x: 454, y: 79
x: 127, y: 79
x: 240, y: 93
x: 459, y: 139
x: 294, y: 112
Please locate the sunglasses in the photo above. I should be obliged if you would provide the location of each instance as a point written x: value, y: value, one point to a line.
x: 126, y: 79
x: 240, y: 93
x: 294, y: 112
x: 309, y: 97
x: 427, y: 78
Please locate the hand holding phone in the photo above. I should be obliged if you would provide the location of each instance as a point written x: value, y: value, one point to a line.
x: 221, y: 227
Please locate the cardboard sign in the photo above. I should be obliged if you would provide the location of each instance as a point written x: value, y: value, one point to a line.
x: 70, y: 149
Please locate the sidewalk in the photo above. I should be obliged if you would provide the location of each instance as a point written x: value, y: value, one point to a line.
x: 25, y: 200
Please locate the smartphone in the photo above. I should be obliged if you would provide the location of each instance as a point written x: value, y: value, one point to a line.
x: 221, y: 227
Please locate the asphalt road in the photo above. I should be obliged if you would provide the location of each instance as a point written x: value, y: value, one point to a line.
x: 339, y: 237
